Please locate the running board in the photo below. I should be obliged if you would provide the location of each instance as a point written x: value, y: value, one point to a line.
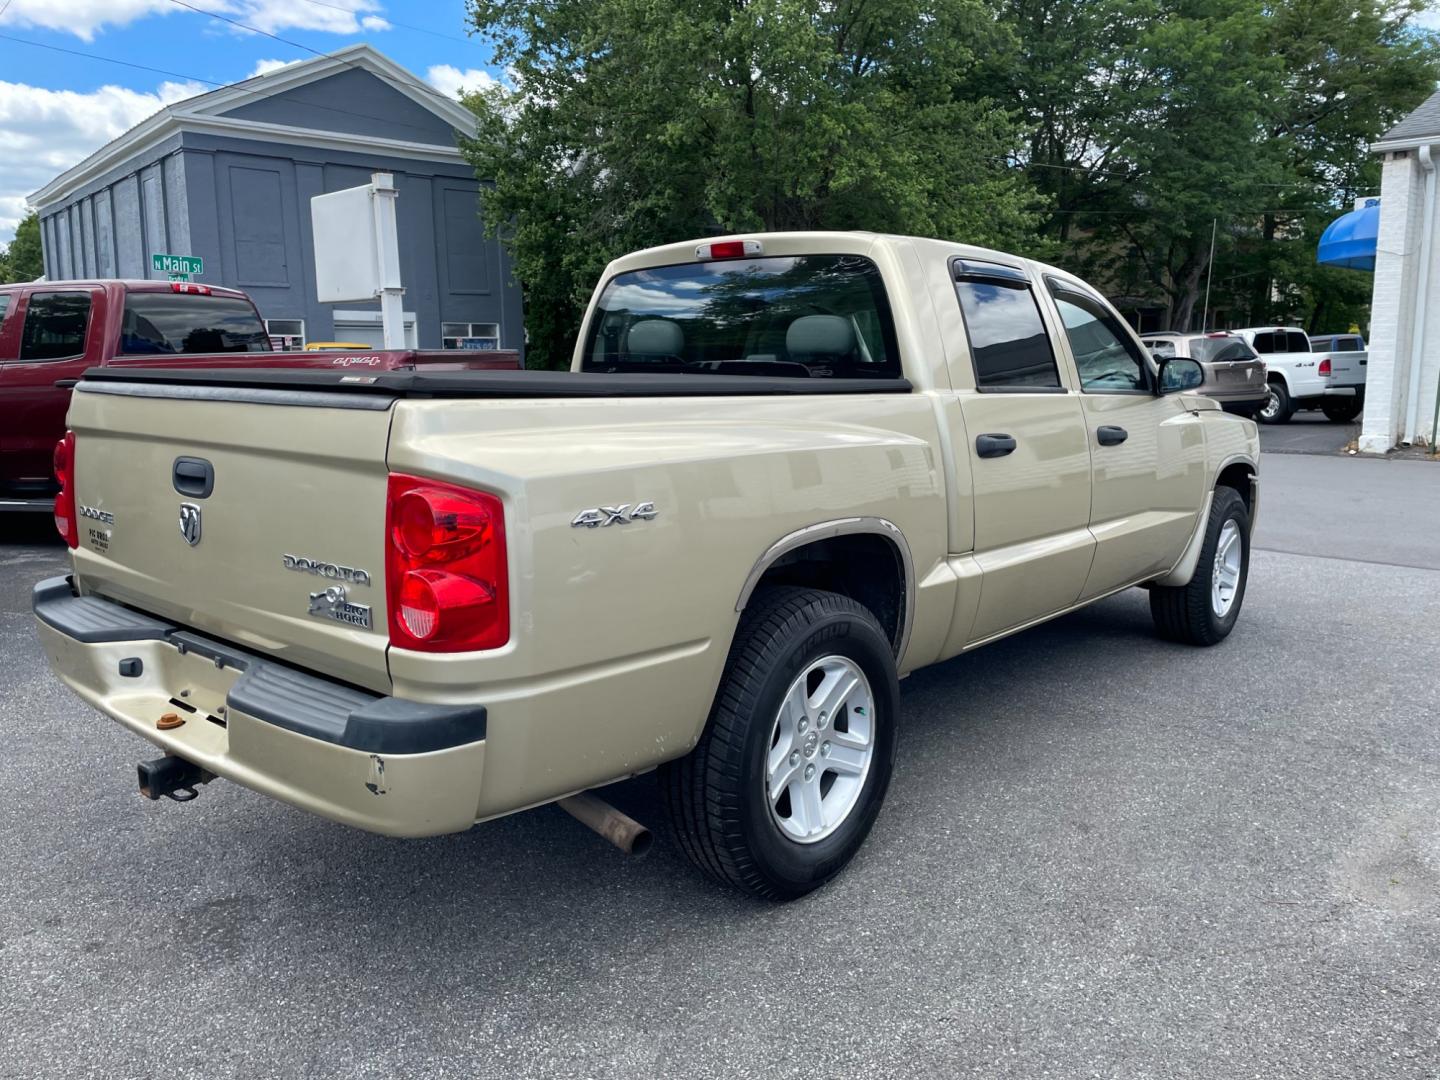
x: 37, y: 506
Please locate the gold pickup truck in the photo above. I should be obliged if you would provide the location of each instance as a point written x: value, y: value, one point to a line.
x: 784, y: 470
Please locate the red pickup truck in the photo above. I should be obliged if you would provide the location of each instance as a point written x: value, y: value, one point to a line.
x: 51, y: 332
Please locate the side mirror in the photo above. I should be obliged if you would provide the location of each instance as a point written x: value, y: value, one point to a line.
x: 1180, y: 373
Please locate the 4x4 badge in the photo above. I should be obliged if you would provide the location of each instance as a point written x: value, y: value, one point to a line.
x: 190, y: 523
x: 599, y: 516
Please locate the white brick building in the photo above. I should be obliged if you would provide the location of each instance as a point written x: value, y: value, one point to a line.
x: 1404, y: 370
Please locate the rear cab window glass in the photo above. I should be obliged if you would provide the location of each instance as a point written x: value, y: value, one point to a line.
x: 164, y: 323
x: 1265, y: 343
x: 1009, y: 344
x: 1161, y: 349
x: 1296, y: 342
x: 1105, y: 356
x: 815, y: 316
x: 55, y: 325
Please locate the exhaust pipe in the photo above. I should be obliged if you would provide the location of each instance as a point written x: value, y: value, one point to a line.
x: 620, y: 829
x: 171, y: 777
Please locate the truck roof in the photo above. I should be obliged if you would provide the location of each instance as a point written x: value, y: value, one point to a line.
x: 127, y: 284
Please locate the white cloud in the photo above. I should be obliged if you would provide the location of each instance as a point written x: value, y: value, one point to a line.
x: 449, y: 79
x: 86, y: 18
x: 44, y: 132
x: 264, y: 67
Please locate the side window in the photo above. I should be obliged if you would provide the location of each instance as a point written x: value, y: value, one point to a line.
x: 4, y: 306
x: 1105, y: 357
x: 1347, y: 344
x: 1008, y: 342
x: 55, y: 326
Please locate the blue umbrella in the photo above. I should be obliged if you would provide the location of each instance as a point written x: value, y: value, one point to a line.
x: 1350, y: 239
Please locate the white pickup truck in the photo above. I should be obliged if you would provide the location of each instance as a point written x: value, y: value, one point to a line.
x: 1301, y: 376
x: 785, y: 470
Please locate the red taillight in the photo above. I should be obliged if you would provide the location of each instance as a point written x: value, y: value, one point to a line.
x: 1325, y: 366
x: 445, y: 570
x: 65, y: 519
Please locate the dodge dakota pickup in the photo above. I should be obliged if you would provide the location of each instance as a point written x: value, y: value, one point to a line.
x: 51, y: 332
x: 785, y: 470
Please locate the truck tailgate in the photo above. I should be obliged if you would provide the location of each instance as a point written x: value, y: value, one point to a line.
x: 284, y: 554
x: 1348, y: 368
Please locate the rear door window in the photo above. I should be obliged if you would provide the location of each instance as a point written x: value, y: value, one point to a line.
x: 165, y: 324
x: 1009, y: 345
x: 55, y: 325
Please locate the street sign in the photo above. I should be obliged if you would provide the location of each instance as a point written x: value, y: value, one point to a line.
x: 178, y: 277
x: 189, y: 265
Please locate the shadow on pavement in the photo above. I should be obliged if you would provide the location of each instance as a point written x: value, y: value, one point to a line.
x: 1308, y: 433
x: 29, y: 528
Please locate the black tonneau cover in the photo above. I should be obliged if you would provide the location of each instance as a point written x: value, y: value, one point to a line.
x: 213, y: 382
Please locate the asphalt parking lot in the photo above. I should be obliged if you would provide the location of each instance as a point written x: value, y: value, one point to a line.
x: 1102, y: 856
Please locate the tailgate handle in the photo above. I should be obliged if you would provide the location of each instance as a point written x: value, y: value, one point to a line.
x: 194, y: 476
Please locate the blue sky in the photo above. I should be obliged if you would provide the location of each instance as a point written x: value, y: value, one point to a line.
x: 56, y: 107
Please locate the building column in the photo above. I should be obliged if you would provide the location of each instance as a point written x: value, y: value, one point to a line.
x: 1394, y: 306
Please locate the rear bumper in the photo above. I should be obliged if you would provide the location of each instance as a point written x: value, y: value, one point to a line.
x: 383, y: 764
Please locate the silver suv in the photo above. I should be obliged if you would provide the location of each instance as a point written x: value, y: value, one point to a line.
x: 1234, y: 372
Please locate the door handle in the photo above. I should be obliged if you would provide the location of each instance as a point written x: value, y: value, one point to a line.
x: 994, y: 445
x: 194, y: 477
x: 1110, y: 435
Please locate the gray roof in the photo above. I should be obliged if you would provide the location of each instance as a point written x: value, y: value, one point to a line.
x: 1420, y: 124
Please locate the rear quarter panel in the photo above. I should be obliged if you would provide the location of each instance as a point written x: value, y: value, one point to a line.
x: 620, y: 634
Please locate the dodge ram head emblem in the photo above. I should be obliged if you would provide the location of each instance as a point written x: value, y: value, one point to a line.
x: 190, y: 523
x: 600, y: 516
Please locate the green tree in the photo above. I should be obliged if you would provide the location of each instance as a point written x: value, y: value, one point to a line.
x: 1150, y: 120
x: 22, y: 260
x: 634, y: 123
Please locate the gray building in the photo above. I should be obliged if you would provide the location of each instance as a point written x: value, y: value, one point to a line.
x: 228, y: 176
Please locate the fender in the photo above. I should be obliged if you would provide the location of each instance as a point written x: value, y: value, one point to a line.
x: 824, y: 530
x: 1184, y: 570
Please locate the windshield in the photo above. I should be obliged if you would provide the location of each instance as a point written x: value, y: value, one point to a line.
x: 822, y: 316
x: 167, y: 323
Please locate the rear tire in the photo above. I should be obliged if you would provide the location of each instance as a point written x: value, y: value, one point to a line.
x: 1277, y: 408
x: 1342, y: 410
x: 1204, y: 611
x: 790, y: 645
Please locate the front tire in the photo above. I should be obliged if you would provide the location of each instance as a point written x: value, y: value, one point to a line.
x: 1204, y: 611
x: 1277, y: 407
x: 797, y: 753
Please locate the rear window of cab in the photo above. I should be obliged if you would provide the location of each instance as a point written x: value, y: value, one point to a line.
x: 807, y: 316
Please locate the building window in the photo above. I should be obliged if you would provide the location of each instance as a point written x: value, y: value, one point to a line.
x: 286, y: 334
x: 474, y: 335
